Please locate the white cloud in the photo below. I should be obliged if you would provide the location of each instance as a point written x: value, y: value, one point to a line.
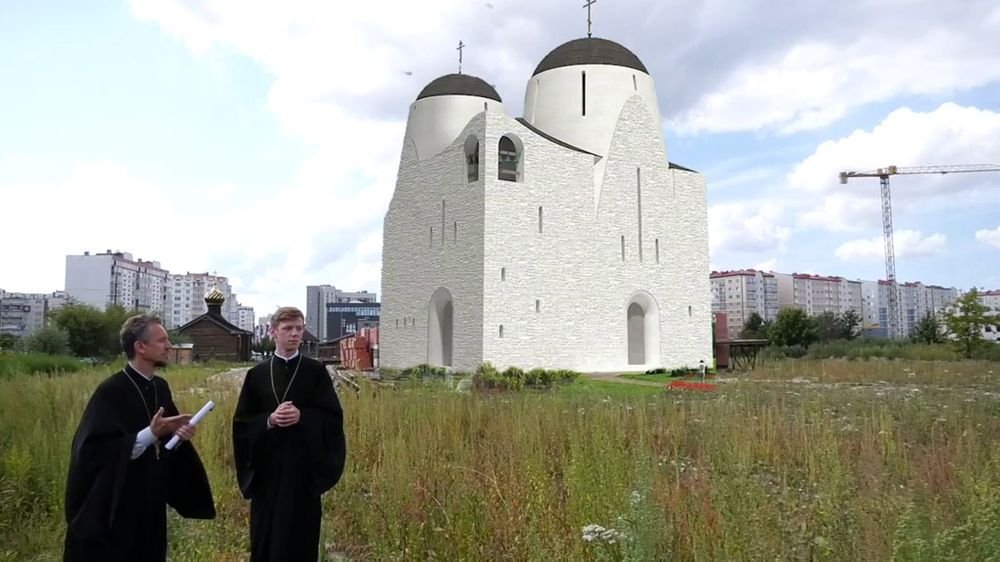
x: 767, y: 265
x: 950, y: 134
x: 989, y: 237
x: 814, y: 82
x: 840, y: 212
x: 906, y: 244
x: 746, y: 227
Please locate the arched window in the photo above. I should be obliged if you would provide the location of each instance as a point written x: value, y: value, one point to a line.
x: 472, y: 158
x: 509, y: 164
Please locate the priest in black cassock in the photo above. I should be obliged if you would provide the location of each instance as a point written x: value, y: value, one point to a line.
x: 121, y: 477
x: 289, y: 446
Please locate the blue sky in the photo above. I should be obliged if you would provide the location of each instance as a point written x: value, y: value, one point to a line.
x: 260, y: 140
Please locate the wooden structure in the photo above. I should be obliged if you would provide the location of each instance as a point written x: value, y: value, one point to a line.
x: 720, y: 333
x: 181, y: 354
x: 359, y: 351
x: 741, y: 354
x: 310, y: 344
x: 214, y: 337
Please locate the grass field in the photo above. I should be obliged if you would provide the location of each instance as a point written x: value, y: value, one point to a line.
x: 828, y: 460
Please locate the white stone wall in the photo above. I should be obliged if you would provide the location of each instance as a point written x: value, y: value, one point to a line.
x: 674, y: 211
x: 413, y: 267
x: 574, y: 266
x: 551, y: 266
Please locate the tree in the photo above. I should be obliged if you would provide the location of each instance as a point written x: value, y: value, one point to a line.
x: 755, y: 328
x: 965, y: 321
x: 928, y: 330
x: 84, y: 325
x: 793, y: 327
x: 828, y: 326
x: 49, y: 340
x: 850, y: 324
x: 91, y: 332
x: 7, y: 341
x: 265, y: 345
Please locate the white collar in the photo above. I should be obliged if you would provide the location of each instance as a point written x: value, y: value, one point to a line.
x: 286, y: 359
x: 147, y: 377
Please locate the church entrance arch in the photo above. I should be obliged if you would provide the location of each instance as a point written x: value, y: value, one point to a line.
x: 440, y: 328
x: 643, y: 329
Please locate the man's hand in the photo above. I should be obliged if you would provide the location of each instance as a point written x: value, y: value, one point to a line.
x: 286, y: 415
x: 185, y: 432
x: 163, y: 427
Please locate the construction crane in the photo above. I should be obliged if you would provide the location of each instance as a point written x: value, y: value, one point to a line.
x: 894, y: 313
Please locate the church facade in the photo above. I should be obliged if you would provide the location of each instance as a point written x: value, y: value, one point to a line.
x: 562, y: 239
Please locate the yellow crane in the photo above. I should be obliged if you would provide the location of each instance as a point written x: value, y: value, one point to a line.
x: 894, y: 313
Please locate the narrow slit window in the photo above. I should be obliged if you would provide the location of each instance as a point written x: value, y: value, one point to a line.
x: 689, y: 310
x: 638, y: 200
x: 635, y: 86
x: 503, y: 273
x: 442, y: 224
x: 432, y: 237
x: 397, y: 322
x: 583, y: 93
x: 455, y: 231
x: 538, y: 305
x: 623, y: 247
x: 657, y: 250
x: 501, y: 330
x: 539, y: 220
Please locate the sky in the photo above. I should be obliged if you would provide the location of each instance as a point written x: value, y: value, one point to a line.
x: 260, y: 140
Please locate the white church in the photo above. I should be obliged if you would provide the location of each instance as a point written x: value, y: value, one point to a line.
x: 561, y: 239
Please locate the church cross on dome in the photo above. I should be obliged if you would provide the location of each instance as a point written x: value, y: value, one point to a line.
x: 460, y: 47
x: 588, y: 5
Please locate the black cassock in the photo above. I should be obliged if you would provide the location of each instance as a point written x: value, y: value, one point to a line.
x: 115, y: 506
x: 284, y: 471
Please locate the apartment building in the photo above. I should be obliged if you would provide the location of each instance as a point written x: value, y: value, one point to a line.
x: 317, y: 299
x: 23, y: 314
x: 116, y: 279
x: 246, y: 318
x: 991, y: 300
x: 186, y: 298
x: 740, y: 294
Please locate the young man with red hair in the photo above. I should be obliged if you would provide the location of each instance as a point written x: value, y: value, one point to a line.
x: 288, y: 440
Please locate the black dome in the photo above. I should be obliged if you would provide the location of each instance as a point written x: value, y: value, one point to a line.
x: 459, y: 85
x: 590, y: 50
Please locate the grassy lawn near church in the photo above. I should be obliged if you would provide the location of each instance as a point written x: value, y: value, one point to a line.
x: 829, y: 460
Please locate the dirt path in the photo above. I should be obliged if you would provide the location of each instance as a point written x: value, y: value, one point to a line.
x: 615, y: 377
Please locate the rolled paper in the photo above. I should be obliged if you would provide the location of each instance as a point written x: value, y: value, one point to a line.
x: 208, y: 407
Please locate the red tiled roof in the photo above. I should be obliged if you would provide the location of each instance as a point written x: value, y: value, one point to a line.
x: 747, y: 272
x: 815, y: 277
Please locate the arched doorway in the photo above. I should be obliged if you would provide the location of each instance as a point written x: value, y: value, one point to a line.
x: 636, y: 334
x: 440, y: 328
x: 643, y: 330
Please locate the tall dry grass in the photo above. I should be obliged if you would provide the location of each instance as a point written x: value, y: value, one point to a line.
x: 757, y: 470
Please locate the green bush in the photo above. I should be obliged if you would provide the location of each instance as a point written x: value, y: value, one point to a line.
x: 424, y: 371
x: 30, y: 363
x: 513, y: 378
x: 535, y: 377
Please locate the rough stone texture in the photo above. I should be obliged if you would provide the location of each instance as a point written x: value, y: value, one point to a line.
x: 414, y: 265
x: 573, y: 267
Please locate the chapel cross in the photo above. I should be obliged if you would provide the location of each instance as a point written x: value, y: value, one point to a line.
x: 460, y: 47
x: 588, y: 5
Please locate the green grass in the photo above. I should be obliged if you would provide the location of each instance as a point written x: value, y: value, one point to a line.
x: 826, y: 460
